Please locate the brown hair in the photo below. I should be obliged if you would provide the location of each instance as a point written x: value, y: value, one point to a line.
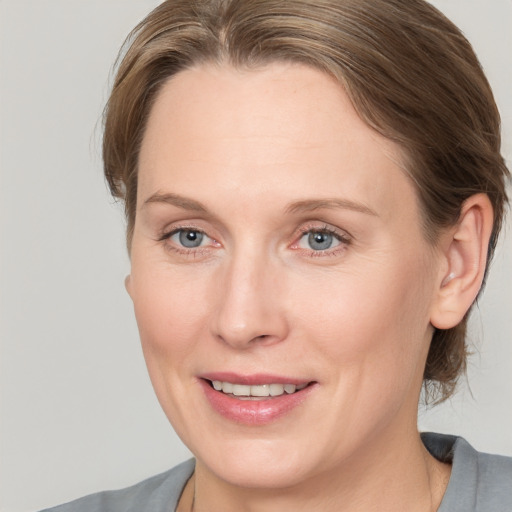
x: 410, y: 73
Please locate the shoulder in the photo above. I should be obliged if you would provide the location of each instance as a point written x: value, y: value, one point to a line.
x: 156, y: 494
x: 494, y: 482
x: 480, y: 482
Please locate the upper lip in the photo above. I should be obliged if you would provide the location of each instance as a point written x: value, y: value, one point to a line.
x: 254, y: 379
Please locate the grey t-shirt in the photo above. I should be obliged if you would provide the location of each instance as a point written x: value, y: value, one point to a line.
x: 479, y: 483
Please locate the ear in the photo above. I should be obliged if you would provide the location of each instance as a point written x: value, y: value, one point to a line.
x: 128, y: 285
x: 464, y: 257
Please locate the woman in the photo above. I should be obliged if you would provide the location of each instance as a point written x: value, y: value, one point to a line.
x: 313, y: 192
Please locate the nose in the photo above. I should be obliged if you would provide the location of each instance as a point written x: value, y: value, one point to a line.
x: 250, y: 304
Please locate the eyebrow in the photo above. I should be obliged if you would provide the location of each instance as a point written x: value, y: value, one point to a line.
x: 309, y: 205
x: 304, y: 206
x: 176, y: 200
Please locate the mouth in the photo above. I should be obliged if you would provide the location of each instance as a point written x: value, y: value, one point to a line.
x: 256, y: 391
x: 256, y: 399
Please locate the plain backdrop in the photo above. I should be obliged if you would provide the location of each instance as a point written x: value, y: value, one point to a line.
x: 77, y: 410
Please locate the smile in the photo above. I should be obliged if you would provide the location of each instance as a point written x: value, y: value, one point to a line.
x: 255, y: 400
x: 255, y: 391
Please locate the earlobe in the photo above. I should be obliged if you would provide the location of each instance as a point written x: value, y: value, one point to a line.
x: 464, y: 250
x: 128, y: 284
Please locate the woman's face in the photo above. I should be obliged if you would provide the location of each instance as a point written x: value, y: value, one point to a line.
x: 278, y: 246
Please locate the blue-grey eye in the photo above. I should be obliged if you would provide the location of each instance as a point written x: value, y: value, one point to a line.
x: 190, y: 238
x: 320, y: 240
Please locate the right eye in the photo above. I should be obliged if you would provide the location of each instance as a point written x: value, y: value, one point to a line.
x: 189, y: 238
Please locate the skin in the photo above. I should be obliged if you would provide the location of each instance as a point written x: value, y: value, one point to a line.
x: 255, y: 297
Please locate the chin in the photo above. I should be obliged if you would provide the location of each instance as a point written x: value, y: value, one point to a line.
x: 259, y: 463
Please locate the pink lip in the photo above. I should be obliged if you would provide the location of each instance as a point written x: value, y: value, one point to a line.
x: 253, y: 412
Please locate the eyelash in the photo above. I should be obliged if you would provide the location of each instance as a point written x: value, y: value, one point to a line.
x: 196, y: 251
x: 343, y: 238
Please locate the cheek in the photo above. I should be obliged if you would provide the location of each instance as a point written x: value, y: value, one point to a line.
x: 377, y: 318
x: 170, y: 317
x: 170, y: 311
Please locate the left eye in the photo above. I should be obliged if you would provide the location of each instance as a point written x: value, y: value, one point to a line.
x: 189, y: 238
x: 319, y: 240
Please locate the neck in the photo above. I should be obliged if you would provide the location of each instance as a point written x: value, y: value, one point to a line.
x: 383, y: 478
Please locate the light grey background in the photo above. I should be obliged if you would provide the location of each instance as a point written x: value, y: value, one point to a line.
x: 77, y: 410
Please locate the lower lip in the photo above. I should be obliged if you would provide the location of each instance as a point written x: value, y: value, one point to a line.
x: 254, y: 412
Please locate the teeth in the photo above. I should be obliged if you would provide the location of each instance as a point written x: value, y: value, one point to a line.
x: 227, y: 387
x: 241, y: 390
x: 276, y: 389
x: 260, y: 390
x: 263, y: 390
x: 290, y: 388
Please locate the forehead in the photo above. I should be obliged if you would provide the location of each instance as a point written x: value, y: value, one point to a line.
x: 284, y: 127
